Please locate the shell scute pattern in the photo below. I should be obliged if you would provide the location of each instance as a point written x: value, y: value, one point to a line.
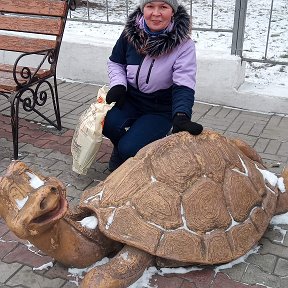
x: 240, y: 195
x: 218, y: 246
x: 256, y: 178
x: 179, y: 245
x: 126, y: 183
x: 168, y: 168
x: 130, y: 227
x: 186, y: 198
x: 260, y: 219
x: 159, y: 204
x: 242, y: 238
x: 205, y: 208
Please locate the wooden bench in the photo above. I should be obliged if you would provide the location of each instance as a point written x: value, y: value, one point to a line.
x: 31, y: 31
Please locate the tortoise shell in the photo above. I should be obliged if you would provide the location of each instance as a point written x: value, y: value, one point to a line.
x: 194, y: 199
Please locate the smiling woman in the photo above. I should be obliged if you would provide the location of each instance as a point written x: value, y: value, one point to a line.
x: 152, y: 71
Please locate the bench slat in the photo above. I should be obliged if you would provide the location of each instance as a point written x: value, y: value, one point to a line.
x: 46, y: 26
x: 7, y: 82
x: 21, y: 44
x: 36, y: 7
x: 9, y: 68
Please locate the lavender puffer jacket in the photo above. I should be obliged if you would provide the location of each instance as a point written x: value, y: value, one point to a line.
x: 165, y: 75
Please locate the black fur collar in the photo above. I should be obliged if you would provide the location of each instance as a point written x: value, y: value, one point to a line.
x: 163, y: 43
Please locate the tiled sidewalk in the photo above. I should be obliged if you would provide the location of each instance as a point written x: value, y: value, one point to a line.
x: 48, y: 151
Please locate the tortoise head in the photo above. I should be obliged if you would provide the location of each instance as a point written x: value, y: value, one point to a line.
x: 30, y: 203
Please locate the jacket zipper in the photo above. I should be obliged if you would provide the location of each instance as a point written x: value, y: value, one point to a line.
x: 149, y: 72
x: 138, y: 71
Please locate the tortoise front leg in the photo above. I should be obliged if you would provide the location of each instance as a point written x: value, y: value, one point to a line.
x: 122, y: 270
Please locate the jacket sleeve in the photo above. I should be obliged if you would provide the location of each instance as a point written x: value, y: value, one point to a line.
x: 184, y: 79
x: 117, y: 63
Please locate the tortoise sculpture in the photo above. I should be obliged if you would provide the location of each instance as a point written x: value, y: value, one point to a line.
x: 181, y: 200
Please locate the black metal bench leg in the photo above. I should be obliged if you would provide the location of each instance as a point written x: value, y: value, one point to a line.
x: 56, y: 105
x: 15, y: 125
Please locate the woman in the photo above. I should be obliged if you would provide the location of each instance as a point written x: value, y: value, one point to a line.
x: 152, y: 73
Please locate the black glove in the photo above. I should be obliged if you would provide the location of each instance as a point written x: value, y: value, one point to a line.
x: 182, y: 123
x: 116, y: 94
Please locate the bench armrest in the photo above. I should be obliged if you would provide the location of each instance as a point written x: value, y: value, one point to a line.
x: 29, y: 74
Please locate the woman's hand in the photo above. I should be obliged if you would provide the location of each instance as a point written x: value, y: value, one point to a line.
x: 116, y: 94
x: 182, y: 123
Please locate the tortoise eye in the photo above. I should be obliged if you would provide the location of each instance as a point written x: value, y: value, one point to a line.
x: 53, y: 190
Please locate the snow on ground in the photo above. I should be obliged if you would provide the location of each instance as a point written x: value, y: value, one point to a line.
x: 257, y: 21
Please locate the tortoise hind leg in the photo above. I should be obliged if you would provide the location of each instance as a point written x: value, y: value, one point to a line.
x: 121, y: 271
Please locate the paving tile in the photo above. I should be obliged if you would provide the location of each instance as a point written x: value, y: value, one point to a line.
x: 33, y: 258
x: 58, y: 271
x: 274, y: 121
x: 73, y: 192
x: 265, y: 262
x: 71, y: 284
x: 273, y: 147
x: 283, y: 150
x: 3, y: 229
x: 201, y: 278
x: 27, y: 277
x: 6, y: 247
x: 281, y: 268
x: 271, y: 248
x: 167, y: 282
x: 187, y: 284
x: 261, y: 144
x: 236, y: 271
x: 254, y: 275
x: 7, y: 270
x: 11, y: 237
x: 223, y: 281
x: 275, y: 133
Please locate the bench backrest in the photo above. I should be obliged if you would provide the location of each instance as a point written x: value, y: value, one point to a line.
x: 41, y: 17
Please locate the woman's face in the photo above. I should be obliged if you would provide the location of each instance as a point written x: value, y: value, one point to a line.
x: 157, y: 15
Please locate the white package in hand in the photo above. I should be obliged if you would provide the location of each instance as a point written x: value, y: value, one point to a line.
x: 87, y: 137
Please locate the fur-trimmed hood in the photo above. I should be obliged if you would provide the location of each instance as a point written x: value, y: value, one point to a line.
x: 163, y: 43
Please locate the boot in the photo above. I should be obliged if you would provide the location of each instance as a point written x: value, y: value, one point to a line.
x: 115, y: 160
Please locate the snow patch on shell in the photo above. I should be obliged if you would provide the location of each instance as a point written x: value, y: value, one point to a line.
x: 21, y: 203
x: 273, y: 180
x: 110, y: 220
x: 35, y: 181
x: 90, y: 222
x: 268, y: 176
x: 281, y: 185
x: 125, y: 256
x: 153, y: 179
x: 244, y: 166
x: 95, y: 197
